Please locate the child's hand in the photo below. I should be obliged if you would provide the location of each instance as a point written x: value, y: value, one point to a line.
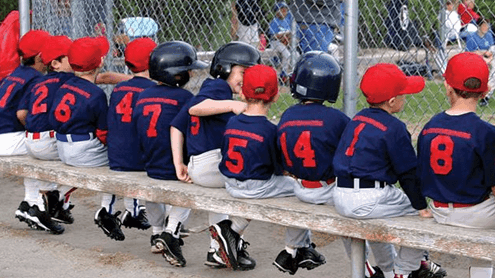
x: 181, y: 172
x: 425, y: 213
x: 238, y: 107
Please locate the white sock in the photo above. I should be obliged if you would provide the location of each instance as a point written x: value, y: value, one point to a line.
x: 107, y: 202
x: 40, y: 203
x: 157, y: 230
x: 368, y: 269
x: 131, y: 205
x: 291, y: 251
x: 64, y: 195
x: 239, y: 224
x: 31, y: 193
x: 173, y: 227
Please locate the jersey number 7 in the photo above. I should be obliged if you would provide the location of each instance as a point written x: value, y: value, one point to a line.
x: 155, y: 110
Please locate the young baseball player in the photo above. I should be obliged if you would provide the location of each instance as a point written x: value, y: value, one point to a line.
x: 250, y: 161
x: 124, y: 153
x: 12, y: 135
x: 456, y: 153
x: 308, y: 134
x: 375, y: 152
x: 79, y: 117
x: 208, y: 114
x: 40, y: 137
x: 156, y: 107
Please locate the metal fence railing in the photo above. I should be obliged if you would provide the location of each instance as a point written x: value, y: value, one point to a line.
x: 412, y: 33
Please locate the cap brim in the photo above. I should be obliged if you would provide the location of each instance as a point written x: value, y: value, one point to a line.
x: 415, y: 84
x: 199, y: 65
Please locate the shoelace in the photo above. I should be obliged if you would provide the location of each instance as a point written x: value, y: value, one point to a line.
x: 243, y: 246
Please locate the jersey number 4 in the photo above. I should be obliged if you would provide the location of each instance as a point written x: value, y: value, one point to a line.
x: 124, y: 108
x: 302, y: 149
x: 441, y: 150
x: 235, y: 156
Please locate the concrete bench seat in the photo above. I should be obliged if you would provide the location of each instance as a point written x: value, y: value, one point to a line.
x: 410, y: 231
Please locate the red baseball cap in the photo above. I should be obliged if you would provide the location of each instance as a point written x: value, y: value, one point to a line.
x: 32, y: 42
x: 382, y: 82
x: 467, y: 65
x: 85, y: 53
x: 260, y: 82
x: 137, y: 54
x: 55, y: 47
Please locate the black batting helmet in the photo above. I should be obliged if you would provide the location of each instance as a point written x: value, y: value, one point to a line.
x: 316, y: 76
x: 171, y: 61
x: 230, y: 54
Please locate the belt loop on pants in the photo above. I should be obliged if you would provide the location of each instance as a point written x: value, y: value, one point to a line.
x: 358, y: 183
x: 74, y: 137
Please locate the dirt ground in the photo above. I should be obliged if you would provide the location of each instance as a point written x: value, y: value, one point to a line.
x: 84, y: 251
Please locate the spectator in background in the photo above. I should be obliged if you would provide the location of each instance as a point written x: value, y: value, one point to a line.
x: 452, y: 25
x: 482, y: 43
x: 468, y: 15
x: 280, y: 37
x: 245, y: 14
x: 316, y: 20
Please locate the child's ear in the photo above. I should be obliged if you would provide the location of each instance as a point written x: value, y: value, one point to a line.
x: 391, y: 101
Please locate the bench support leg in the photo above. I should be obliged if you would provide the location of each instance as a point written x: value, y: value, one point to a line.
x: 357, y: 258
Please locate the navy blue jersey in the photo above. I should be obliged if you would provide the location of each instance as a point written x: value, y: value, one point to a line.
x: 155, y: 109
x: 249, y: 149
x: 374, y: 146
x: 39, y: 99
x: 457, y: 158
x: 205, y: 133
x: 124, y: 153
x: 308, y: 135
x: 12, y: 90
x: 79, y: 107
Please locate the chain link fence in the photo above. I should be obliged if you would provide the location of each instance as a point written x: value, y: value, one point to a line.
x: 415, y: 34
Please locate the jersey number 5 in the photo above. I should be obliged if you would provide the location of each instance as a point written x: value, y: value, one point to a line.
x: 235, y: 155
x: 62, y: 111
x: 441, y: 150
x: 302, y: 149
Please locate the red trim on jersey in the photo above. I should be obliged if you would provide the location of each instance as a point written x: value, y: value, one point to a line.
x: 76, y: 90
x: 102, y: 135
x: 51, y: 80
x: 371, y: 121
x: 449, y: 132
x: 302, y: 123
x: 128, y: 89
x: 16, y: 79
x: 159, y: 100
x: 244, y: 134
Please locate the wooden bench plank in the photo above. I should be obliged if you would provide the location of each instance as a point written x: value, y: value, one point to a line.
x: 407, y: 231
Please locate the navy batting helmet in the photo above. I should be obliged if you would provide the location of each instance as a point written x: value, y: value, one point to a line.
x: 230, y: 54
x: 171, y: 61
x: 316, y: 76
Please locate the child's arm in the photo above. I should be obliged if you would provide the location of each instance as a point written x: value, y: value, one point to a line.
x: 22, y: 115
x: 177, y: 143
x: 111, y: 78
x: 210, y: 107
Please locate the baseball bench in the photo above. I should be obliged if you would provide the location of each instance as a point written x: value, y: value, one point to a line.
x: 404, y: 231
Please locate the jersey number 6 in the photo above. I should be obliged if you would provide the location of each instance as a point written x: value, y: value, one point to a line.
x: 62, y: 111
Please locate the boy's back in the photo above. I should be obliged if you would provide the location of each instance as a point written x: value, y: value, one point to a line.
x: 123, y: 145
x: 456, y: 158
x: 308, y: 137
x: 155, y: 109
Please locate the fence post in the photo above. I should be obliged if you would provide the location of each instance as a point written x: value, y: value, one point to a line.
x: 350, y: 56
x: 24, y: 16
x: 357, y: 257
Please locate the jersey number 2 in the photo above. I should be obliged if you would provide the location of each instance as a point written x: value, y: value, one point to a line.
x: 38, y: 107
x: 443, y: 154
x: 235, y: 155
x: 302, y: 149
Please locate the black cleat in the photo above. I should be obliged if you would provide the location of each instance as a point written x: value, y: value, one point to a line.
x: 429, y: 269
x: 214, y: 260
x: 140, y: 221
x: 55, y: 208
x: 309, y: 258
x: 171, y: 248
x: 243, y: 260
x: 42, y: 221
x: 110, y: 224
x: 378, y: 273
x: 228, y: 241
x: 22, y: 211
x: 285, y: 263
x: 154, y: 249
